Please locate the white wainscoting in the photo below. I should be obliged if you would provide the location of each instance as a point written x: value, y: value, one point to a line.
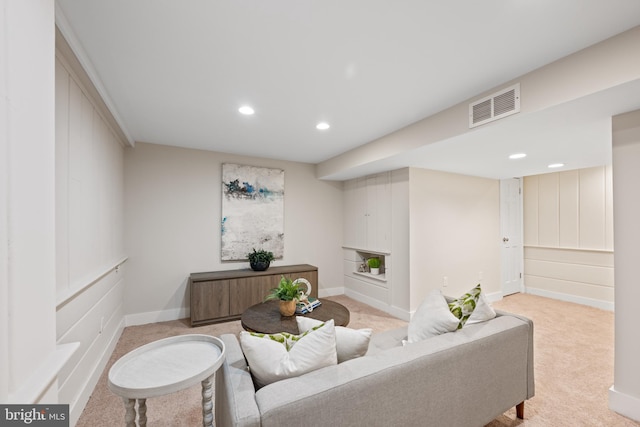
x: 93, y: 318
x: 568, y: 236
x: 574, y: 275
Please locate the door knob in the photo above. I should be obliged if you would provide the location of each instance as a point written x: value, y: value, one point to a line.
x: 505, y: 239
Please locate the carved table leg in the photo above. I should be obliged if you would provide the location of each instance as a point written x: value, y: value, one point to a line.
x: 207, y: 404
x: 130, y: 412
x: 142, y: 412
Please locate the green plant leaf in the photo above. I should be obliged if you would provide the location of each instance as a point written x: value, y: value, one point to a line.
x: 286, y: 290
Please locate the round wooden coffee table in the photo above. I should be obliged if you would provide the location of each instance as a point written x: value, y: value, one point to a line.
x: 266, y: 318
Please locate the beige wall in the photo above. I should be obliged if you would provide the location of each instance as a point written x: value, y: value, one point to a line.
x: 568, y: 236
x: 624, y: 396
x: 454, y: 232
x: 442, y: 224
x: 173, y: 216
x: 400, y: 248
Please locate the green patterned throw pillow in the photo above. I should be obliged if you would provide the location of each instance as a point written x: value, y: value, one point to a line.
x: 285, y: 338
x: 464, y: 306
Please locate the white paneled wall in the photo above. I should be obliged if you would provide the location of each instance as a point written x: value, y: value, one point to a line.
x: 89, y: 235
x: 29, y: 358
x: 585, y: 275
x: 568, y: 235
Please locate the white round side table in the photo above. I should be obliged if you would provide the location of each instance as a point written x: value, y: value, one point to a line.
x: 166, y: 366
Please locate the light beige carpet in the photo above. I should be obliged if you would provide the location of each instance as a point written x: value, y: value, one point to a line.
x: 573, y: 366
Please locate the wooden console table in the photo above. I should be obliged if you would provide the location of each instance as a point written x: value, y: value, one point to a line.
x: 219, y: 296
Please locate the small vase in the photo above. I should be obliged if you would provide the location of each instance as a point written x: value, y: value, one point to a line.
x: 287, y: 308
x: 375, y: 271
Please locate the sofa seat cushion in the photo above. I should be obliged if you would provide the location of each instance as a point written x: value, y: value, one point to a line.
x: 273, y: 357
x: 350, y: 343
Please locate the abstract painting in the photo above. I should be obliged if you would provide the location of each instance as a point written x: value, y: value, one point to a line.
x: 252, y: 211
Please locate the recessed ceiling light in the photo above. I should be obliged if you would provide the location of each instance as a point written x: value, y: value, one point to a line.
x: 246, y: 110
x: 555, y: 165
x: 517, y: 156
x: 322, y: 126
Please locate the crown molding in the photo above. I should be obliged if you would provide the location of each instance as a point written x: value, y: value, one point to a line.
x: 71, y: 49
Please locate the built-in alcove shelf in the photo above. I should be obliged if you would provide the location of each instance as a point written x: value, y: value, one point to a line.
x: 381, y: 277
x: 362, y: 269
x: 371, y: 252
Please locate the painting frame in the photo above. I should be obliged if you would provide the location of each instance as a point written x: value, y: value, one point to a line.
x: 252, y: 211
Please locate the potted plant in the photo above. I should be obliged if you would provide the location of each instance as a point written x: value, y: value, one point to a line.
x: 374, y: 265
x: 259, y: 260
x: 287, y: 292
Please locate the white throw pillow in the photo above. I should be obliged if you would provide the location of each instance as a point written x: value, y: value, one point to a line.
x: 278, y: 356
x: 432, y: 318
x: 350, y: 343
x: 482, y: 312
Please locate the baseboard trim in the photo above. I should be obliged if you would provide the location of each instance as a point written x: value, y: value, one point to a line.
x: 184, y: 312
x: 76, y: 408
x: 624, y: 404
x: 181, y: 313
x: 399, y: 313
x: 494, y: 296
x: 387, y: 308
x: 156, y: 316
x: 366, y: 299
x: 330, y: 292
x: 604, y: 305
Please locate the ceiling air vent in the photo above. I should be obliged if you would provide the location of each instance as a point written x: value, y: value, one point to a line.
x: 495, y: 106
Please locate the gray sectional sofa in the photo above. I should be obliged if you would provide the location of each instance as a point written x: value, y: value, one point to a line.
x: 463, y: 378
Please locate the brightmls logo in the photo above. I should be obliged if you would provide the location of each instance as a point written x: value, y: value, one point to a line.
x: 35, y: 415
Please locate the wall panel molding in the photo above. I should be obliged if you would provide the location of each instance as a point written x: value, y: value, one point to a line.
x: 572, y: 209
x: 90, y: 277
x: 568, y: 228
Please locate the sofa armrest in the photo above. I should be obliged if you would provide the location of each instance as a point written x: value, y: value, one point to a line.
x: 531, y: 380
x: 531, y: 388
x: 235, y: 392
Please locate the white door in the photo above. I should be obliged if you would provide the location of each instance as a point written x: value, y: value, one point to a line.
x: 511, y: 235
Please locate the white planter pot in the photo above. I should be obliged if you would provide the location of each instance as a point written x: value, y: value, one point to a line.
x: 375, y: 271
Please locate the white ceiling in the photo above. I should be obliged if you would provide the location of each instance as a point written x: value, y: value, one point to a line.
x: 176, y: 72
